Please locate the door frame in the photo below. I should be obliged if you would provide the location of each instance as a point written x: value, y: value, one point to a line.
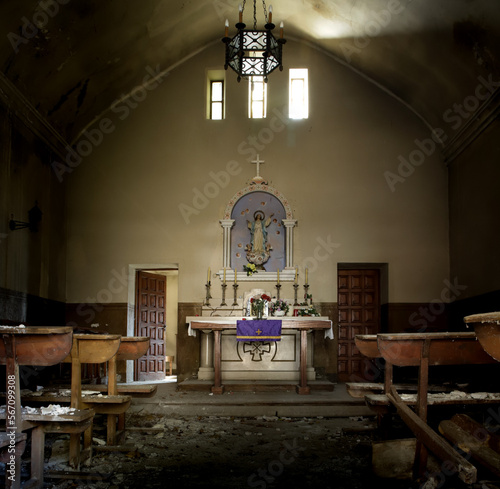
x: 131, y: 302
x: 383, y: 269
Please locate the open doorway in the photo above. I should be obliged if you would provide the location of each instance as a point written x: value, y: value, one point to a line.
x: 153, y: 304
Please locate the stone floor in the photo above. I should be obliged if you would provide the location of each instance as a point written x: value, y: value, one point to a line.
x: 193, y: 439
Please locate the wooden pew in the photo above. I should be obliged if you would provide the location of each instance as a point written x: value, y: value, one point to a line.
x: 487, y: 329
x: 34, y: 346
x: 423, y: 350
x: 97, y: 348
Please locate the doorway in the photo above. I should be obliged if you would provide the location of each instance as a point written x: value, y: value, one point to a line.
x: 359, y: 305
x: 153, y: 304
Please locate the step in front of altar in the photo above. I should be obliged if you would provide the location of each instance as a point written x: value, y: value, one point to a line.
x: 193, y: 397
x: 254, y: 385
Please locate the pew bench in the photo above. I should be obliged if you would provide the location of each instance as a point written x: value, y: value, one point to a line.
x: 41, y: 422
x: 424, y: 350
x: 112, y: 406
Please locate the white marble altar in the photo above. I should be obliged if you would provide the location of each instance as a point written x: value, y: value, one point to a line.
x: 271, y: 360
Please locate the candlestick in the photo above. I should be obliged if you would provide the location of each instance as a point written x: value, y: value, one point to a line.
x: 208, y: 296
x: 223, y: 303
x: 306, y: 287
x: 295, y: 286
x: 278, y: 287
x: 235, y: 287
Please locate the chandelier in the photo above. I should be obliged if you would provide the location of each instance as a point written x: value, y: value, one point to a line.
x: 254, y: 52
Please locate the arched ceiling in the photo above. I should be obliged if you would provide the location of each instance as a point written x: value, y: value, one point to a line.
x: 71, y: 59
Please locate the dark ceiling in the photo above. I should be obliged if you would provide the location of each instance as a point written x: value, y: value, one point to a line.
x: 71, y: 59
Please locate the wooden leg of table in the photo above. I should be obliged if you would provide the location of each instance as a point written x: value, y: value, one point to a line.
x: 303, y: 388
x: 388, y: 377
x: 13, y: 479
x: 74, y: 450
x: 112, y: 383
x: 37, y: 454
x: 217, y: 388
x: 121, y: 422
x: 111, y: 438
x: 86, y: 453
x: 420, y: 464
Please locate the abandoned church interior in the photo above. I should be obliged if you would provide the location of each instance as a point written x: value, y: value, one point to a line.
x: 251, y: 211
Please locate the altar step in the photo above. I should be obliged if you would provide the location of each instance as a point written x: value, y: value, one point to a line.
x: 190, y: 400
x: 254, y: 386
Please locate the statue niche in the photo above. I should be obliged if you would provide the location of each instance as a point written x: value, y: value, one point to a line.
x: 258, y: 251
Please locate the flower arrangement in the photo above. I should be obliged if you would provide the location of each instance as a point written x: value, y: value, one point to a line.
x: 279, y: 307
x: 258, y: 304
x: 309, y: 311
x: 250, y: 268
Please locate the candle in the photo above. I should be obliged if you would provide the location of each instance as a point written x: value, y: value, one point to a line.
x: 208, y: 275
x: 281, y: 30
x: 224, y: 274
x: 278, y: 276
x: 295, y: 275
x: 270, y: 14
x: 240, y: 8
x: 306, y: 276
x: 235, y: 275
x: 226, y: 32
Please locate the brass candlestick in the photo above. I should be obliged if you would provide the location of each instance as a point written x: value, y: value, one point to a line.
x: 208, y: 296
x: 306, y: 287
x: 223, y: 303
x: 278, y: 287
x: 235, y: 287
x: 296, y: 287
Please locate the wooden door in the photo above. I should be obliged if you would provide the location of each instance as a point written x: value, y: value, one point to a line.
x: 150, y: 322
x: 359, y: 313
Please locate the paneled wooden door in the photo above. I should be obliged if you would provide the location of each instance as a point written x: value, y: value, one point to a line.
x: 150, y: 322
x: 359, y: 313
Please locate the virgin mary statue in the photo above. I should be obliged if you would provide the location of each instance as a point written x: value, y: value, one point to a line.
x: 258, y: 250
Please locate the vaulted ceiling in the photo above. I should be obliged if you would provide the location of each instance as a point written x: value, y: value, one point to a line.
x: 69, y: 60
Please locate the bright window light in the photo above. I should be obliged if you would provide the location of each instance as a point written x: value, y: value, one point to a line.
x: 299, y: 94
x: 216, y: 100
x: 257, y: 97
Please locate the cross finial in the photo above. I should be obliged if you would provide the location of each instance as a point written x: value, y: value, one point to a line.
x: 258, y: 162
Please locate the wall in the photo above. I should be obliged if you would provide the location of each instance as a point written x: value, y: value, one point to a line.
x: 154, y: 187
x: 32, y: 264
x: 474, y: 230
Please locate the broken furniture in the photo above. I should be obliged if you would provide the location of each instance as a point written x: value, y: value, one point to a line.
x: 423, y: 350
x: 97, y: 348
x: 35, y: 346
x: 487, y: 329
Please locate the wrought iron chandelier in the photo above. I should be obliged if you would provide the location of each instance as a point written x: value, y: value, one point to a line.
x: 254, y: 52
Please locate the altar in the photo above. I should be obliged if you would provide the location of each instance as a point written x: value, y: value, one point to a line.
x: 223, y: 358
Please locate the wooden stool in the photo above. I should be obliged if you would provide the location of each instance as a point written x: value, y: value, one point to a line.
x: 170, y: 361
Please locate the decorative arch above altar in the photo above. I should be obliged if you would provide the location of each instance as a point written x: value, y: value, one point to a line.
x: 261, y: 187
x: 259, y: 207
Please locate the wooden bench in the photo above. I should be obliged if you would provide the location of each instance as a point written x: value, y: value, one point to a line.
x: 96, y: 348
x: 423, y: 350
x: 40, y: 422
x: 34, y: 346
